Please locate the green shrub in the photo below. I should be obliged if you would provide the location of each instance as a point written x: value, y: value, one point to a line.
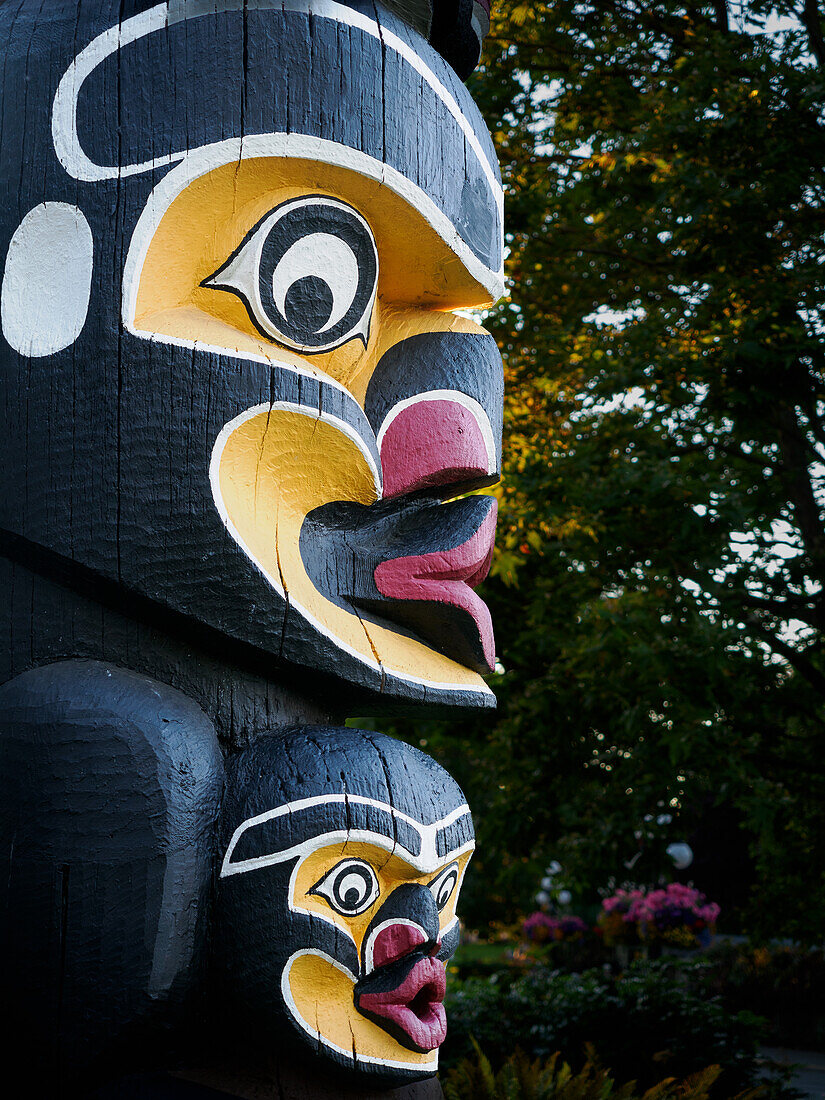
x: 523, y: 1079
x: 643, y: 1024
x: 784, y: 984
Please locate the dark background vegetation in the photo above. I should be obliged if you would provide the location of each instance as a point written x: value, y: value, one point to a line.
x: 658, y: 585
x: 645, y: 1024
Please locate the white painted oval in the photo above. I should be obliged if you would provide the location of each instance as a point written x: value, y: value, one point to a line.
x: 48, y: 280
x: 327, y: 257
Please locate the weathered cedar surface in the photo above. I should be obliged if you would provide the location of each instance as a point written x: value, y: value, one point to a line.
x: 250, y: 954
x: 112, y: 783
x: 106, y: 443
x: 287, y: 1083
x: 112, y: 549
x: 244, y: 696
x: 283, y: 1083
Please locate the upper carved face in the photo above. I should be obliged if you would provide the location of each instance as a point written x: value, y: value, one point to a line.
x: 296, y: 396
x: 319, y: 271
x: 336, y: 910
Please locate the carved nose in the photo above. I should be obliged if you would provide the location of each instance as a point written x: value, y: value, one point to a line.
x: 406, y: 922
x: 431, y: 441
x: 394, y: 942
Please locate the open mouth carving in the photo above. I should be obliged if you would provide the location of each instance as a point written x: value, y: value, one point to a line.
x: 412, y: 560
x: 447, y: 577
x: 405, y: 999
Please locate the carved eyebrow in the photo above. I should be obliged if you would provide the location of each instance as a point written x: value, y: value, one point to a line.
x: 468, y: 219
x: 162, y: 17
x: 278, y: 835
x: 292, y: 830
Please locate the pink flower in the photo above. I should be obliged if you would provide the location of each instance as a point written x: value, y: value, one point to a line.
x: 663, y: 909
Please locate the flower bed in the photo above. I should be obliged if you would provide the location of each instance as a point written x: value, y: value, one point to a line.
x: 644, y: 1023
x: 542, y: 928
x: 675, y: 915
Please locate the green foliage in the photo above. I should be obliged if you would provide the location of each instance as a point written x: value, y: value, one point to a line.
x: 786, y: 985
x: 642, y: 1024
x: 521, y: 1079
x: 658, y: 589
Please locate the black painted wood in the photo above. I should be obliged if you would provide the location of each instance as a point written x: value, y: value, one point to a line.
x: 305, y: 814
x: 161, y: 687
x: 281, y: 1082
x: 108, y: 436
x: 111, y: 789
x: 48, y: 616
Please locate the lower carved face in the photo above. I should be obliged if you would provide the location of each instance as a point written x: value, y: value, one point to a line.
x: 338, y: 913
x: 388, y: 1004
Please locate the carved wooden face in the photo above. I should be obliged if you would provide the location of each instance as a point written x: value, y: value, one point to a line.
x: 319, y: 272
x: 337, y: 910
x: 289, y: 206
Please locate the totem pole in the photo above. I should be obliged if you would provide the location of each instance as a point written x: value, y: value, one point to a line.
x: 242, y: 408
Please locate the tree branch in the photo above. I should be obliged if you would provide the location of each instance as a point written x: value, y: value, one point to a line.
x: 720, y: 8
x: 607, y: 253
x: 810, y: 21
x: 787, y: 609
x: 798, y: 456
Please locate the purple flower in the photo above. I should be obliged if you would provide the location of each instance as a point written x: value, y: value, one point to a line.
x: 664, y: 909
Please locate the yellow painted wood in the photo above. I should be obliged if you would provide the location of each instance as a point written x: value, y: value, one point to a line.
x: 275, y: 468
x: 391, y: 870
x: 322, y: 995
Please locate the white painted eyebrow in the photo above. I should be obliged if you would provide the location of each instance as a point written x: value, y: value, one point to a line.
x: 67, y: 145
x: 428, y: 860
x: 74, y: 159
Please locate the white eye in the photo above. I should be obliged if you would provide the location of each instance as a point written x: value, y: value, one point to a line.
x: 442, y: 887
x: 298, y: 267
x: 350, y: 887
x: 307, y: 274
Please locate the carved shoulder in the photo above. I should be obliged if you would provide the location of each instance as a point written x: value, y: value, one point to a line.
x: 112, y: 786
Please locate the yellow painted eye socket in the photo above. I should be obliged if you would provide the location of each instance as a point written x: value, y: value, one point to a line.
x: 307, y: 274
x: 443, y: 885
x: 350, y: 887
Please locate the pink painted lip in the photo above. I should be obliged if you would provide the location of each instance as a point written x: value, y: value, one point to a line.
x: 448, y: 577
x: 415, y: 1006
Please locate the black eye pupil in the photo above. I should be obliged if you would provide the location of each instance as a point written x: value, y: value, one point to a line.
x: 308, y: 303
x: 445, y: 889
x: 352, y: 894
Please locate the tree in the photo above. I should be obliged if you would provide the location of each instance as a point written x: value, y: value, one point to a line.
x: 658, y: 588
